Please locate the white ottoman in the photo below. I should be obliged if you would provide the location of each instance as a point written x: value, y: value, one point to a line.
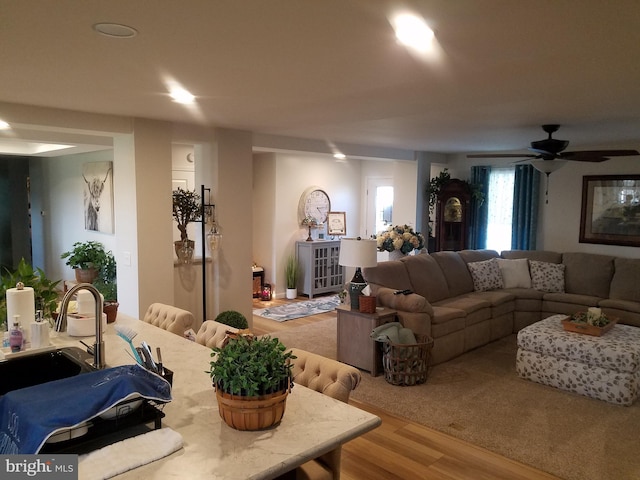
x: 606, y: 368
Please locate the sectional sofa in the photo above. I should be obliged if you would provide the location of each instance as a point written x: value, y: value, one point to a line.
x: 469, y: 298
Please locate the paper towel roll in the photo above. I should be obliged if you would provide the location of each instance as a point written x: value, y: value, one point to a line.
x: 21, y: 302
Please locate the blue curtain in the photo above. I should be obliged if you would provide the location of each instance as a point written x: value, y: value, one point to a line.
x: 479, y: 213
x: 525, y: 208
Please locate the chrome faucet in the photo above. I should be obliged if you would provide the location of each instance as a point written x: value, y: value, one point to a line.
x: 61, y: 322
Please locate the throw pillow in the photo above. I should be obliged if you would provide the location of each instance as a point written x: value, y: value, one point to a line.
x: 547, y: 277
x: 486, y: 275
x: 515, y: 273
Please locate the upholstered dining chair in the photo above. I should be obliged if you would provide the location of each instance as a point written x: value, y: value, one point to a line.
x: 170, y: 318
x: 331, y: 378
x: 212, y: 334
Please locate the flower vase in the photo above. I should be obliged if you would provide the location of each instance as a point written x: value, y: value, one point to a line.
x: 396, y: 255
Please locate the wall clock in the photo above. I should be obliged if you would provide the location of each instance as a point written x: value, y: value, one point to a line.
x: 315, y: 203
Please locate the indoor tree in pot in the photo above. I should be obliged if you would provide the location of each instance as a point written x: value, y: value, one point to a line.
x: 86, y: 259
x: 252, y: 378
x: 186, y: 209
x: 291, y: 271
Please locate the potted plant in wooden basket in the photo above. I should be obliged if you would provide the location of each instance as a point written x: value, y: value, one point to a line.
x: 252, y: 378
x: 186, y: 209
x: 106, y: 284
x: 86, y: 259
x: 291, y: 271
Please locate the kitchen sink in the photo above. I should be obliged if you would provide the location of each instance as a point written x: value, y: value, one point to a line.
x: 33, y: 369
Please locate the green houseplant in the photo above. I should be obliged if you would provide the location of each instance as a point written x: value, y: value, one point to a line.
x: 291, y: 271
x: 86, y: 259
x: 45, y: 291
x: 252, y: 378
x: 233, y: 319
x: 186, y: 209
x: 106, y: 283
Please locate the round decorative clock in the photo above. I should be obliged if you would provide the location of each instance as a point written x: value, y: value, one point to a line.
x: 314, y: 203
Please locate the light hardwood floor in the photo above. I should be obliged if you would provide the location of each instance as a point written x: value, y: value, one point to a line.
x: 401, y: 449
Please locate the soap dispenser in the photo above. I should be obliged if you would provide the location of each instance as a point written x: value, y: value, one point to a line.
x: 16, y: 337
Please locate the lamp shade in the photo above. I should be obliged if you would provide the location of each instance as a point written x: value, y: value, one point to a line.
x: 356, y: 252
x: 547, y: 166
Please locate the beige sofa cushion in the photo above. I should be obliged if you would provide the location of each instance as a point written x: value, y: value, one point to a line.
x: 455, y: 271
x: 539, y: 255
x: 426, y: 277
x: 625, y: 284
x: 588, y: 274
x: 515, y: 272
x: 391, y: 274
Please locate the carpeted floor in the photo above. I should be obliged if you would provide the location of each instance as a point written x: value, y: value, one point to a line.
x: 478, y: 397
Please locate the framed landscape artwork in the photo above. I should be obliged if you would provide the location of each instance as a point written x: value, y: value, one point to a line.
x: 610, y: 210
x: 336, y: 223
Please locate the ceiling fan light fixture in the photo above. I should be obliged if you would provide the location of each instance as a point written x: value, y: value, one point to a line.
x: 548, y: 166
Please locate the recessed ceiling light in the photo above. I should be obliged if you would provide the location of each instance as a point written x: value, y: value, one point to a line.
x: 413, y: 32
x: 115, y: 30
x: 339, y: 156
x: 4, y: 125
x: 181, y: 95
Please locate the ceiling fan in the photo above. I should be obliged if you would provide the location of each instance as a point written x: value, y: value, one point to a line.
x: 553, y: 149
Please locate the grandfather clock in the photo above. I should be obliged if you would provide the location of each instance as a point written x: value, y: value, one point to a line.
x: 452, y: 216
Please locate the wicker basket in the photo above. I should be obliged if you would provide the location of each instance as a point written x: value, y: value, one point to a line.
x: 407, y: 364
x: 367, y: 304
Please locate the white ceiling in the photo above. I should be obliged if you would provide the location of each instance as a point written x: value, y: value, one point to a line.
x: 332, y: 70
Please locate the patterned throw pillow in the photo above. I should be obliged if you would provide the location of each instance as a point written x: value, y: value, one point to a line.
x: 547, y: 277
x: 486, y: 275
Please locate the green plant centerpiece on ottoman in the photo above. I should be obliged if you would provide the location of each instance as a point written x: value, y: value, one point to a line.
x: 252, y: 378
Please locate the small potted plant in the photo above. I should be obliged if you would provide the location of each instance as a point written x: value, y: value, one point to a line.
x: 233, y: 319
x: 252, y: 378
x: 44, y: 290
x: 107, y: 285
x: 86, y: 259
x: 186, y: 209
x: 291, y: 271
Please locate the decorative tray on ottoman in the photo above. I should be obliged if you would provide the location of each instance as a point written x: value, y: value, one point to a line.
x: 578, y: 323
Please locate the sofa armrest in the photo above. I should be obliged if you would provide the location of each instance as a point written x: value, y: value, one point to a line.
x: 407, y: 303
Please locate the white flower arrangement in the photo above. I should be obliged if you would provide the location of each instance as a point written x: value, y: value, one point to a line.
x: 400, y: 237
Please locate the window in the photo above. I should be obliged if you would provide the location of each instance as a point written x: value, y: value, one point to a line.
x: 500, y: 208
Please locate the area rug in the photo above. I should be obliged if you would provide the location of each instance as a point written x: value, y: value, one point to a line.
x: 478, y: 397
x: 293, y: 310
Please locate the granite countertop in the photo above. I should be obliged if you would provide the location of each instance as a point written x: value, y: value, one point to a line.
x: 312, y: 424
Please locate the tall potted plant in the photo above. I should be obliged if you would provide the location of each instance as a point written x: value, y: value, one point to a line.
x: 291, y: 271
x: 106, y: 283
x: 86, y: 259
x: 252, y: 378
x: 186, y: 209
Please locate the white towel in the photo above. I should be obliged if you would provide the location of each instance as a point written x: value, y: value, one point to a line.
x: 128, y: 454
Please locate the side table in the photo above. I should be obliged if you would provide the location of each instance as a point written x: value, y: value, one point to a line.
x: 355, y: 345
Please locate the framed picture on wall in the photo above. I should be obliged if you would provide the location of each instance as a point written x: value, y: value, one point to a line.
x: 98, y: 196
x: 610, y: 210
x: 336, y: 223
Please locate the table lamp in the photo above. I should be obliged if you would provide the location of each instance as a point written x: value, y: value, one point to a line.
x: 358, y: 253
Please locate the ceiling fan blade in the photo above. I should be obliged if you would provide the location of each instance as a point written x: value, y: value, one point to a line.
x: 500, y: 155
x: 597, y: 155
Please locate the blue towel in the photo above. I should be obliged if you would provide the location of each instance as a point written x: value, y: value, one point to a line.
x: 29, y: 416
